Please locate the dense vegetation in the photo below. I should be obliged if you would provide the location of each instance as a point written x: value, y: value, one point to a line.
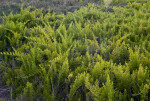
x: 93, y: 54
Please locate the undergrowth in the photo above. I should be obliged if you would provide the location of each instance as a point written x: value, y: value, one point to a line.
x: 91, y: 54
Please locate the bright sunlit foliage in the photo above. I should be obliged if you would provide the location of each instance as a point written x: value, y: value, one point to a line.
x: 92, y: 54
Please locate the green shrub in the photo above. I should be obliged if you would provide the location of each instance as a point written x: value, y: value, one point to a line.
x: 91, y: 54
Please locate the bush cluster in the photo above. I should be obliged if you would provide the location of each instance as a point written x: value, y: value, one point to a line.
x: 92, y: 54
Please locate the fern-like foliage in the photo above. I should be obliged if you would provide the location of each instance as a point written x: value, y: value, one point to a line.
x: 91, y: 54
